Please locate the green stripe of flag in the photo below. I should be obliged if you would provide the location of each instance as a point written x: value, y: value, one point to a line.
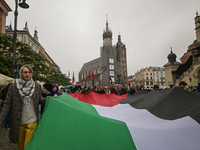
x: 68, y: 123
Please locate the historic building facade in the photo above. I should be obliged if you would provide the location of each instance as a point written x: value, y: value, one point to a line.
x: 25, y: 37
x: 4, y: 9
x: 111, y: 65
x: 159, y: 77
x: 189, y: 68
x: 150, y: 76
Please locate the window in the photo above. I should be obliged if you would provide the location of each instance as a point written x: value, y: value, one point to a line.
x: 147, y: 77
x: 151, y: 77
x: 111, y: 60
x: 147, y: 82
x: 151, y: 74
x: 122, y: 59
x: 113, y: 79
x: 147, y: 74
x: 112, y: 67
x: 112, y: 73
x: 151, y: 82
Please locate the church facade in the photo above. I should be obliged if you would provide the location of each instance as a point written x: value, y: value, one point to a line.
x: 189, y: 68
x: 111, y: 66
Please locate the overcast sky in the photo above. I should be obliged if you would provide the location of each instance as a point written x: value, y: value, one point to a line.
x: 71, y: 30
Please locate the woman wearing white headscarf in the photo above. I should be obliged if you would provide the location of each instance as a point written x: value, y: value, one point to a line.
x: 22, y: 102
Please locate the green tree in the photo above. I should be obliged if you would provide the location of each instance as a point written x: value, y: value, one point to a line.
x: 5, y: 54
x: 25, y: 55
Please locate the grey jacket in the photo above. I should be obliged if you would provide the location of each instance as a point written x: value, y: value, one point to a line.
x: 13, y: 105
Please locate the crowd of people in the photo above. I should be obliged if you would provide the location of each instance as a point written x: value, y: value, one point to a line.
x: 101, y: 90
x: 23, y: 99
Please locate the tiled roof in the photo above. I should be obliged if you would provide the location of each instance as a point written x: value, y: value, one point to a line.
x: 91, y: 64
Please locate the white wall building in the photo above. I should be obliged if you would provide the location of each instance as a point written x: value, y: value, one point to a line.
x: 159, y: 76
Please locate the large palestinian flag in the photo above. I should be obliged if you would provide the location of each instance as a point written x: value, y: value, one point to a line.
x: 158, y: 120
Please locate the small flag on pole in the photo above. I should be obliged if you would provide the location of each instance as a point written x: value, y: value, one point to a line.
x: 127, y: 86
x: 111, y: 82
x: 92, y: 79
x: 73, y: 79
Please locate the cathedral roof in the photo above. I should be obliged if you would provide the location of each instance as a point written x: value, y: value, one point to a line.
x: 91, y: 64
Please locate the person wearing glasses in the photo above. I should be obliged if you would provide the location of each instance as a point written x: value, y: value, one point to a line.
x: 22, y: 101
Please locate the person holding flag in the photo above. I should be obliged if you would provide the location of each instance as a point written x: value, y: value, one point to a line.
x: 123, y: 90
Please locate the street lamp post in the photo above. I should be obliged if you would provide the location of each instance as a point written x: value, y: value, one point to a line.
x: 25, y: 6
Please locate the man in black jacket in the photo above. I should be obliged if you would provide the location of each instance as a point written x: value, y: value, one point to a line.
x: 123, y: 90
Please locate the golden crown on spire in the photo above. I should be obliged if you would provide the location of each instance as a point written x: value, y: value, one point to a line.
x: 106, y: 19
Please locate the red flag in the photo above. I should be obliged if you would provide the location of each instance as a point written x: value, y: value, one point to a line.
x: 73, y: 79
x: 91, y: 77
x: 127, y: 84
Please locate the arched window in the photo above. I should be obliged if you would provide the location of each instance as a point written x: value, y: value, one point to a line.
x: 123, y: 59
x: 85, y: 75
x: 94, y: 71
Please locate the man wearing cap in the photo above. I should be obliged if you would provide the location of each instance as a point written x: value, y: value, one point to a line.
x: 22, y: 101
x: 182, y: 84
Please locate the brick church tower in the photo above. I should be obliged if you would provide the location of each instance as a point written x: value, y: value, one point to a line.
x: 110, y: 65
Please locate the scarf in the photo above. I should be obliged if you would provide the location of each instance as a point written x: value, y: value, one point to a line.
x: 26, y: 88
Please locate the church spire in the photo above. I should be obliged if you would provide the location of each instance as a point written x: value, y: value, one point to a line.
x: 171, y: 57
x: 119, y: 42
x: 107, y: 33
x: 107, y: 23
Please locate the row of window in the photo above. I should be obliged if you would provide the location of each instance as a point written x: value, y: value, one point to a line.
x: 162, y: 72
x: 87, y: 73
x: 149, y: 83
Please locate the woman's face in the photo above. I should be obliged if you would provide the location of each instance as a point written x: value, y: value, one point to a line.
x: 44, y: 90
x: 54, y: 88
